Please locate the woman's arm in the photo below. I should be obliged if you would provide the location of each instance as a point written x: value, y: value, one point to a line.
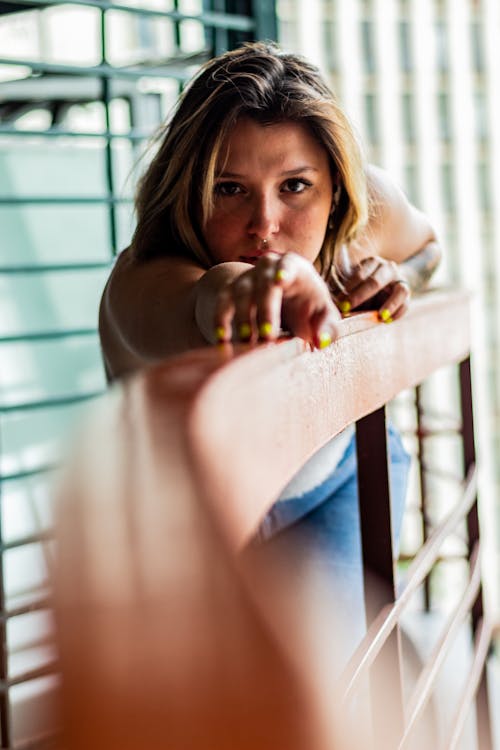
x: 153, y: 309
x: 397, y: 253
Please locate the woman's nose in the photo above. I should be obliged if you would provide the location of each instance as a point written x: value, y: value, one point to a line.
x: 264, y: 218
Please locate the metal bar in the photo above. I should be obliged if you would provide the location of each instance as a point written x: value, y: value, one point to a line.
x: 44, y: 536
x: 484, y: 728
x: 475, y: 678
x: 56, y: 132
x: 177, y: 30
x: 428, y: 433
x: 27, y: 473
x: 442, y: 473
x: 5, y: 717
x: 231, y: 21
x: 376, y: 534
x: 56, y: 267
x: 176, y: 69
x: 266, y: 20
x: 442, y: 416
x: 26, y: 609
x: 108, y: 155
x: 61, y: 199
x: 375, y: 503
x: 372, y: 643
x: 423, y: 689
x: 454, y: 557
x: 219, y: 35
x: 469, y: 457
x: 48, y: 403
x: 423, y: 487
x: 31, y: 674
x: 47, y: 335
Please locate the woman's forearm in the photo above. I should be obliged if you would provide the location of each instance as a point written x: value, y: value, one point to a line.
x: 418, y: 269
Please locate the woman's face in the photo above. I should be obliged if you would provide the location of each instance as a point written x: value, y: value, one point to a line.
x: 273, y: 191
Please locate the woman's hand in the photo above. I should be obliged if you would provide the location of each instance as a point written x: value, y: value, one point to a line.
x: 280, y: 291
x: 376, y: 283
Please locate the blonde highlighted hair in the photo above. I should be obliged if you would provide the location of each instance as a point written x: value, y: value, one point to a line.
x: 175, y: 195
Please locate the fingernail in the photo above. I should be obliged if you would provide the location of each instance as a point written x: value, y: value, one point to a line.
x: 220, y: 334
x: 281, y: 275
x: 345, y: 307
x: 385, y: 315
x: 324, y: 339
x: 245, y: 331
x: 265, y: 330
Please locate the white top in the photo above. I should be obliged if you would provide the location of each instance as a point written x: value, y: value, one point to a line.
x: 318, y: 467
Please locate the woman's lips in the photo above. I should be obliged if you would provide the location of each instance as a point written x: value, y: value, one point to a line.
x: 254, y: 257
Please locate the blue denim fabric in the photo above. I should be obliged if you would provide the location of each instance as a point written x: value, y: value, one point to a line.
x: 327, y: 534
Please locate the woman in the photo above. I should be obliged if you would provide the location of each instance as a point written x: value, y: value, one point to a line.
x: 258, y: 214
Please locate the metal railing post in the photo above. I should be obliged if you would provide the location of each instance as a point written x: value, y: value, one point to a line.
x: 378, y: 565
x: 483, y: 716
x: 423, y: 485
x: 5, y: 724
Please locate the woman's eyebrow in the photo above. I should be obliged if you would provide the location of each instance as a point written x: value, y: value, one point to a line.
x: 295, y: 170
x: 232, y: 175
x: 286, y: 173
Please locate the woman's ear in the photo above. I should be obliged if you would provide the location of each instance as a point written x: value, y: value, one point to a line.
x: 337, y: 190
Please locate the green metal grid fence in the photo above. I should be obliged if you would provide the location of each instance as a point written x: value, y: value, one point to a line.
x: 72, y: 125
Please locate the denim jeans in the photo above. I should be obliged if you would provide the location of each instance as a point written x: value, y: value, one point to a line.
x: 326, y: 535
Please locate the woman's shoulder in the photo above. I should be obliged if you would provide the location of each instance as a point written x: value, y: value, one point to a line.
x: 395, y: 226
x: 132, y: 277
x: 142, y: 302
x: 384, y: 192
x: 127, y: 262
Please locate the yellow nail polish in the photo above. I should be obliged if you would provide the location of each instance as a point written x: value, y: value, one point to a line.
x: 345, y: 307
x: 220, y: 333
x: 245, y: 331
x: 385, y: 315
x: 324, y: 339
x: 281, y: 275
x: 265, y: 330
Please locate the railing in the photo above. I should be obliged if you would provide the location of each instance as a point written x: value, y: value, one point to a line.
x: 95, y: 79
x: 198, y: 448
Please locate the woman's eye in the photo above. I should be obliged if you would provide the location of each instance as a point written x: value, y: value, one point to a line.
x: 296, y: 185
x: 228, y: 188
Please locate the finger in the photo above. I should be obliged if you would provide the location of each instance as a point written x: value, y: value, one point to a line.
x: 268, y: 299
x: 353, y: 285
x: 223, y: 315
x: 286, y: 270
x: 360, y: 273
x: 243, y: 295
x: 381, y: 278
x: 324, y: 328
x: 307, y: 310
x: 396, y: 304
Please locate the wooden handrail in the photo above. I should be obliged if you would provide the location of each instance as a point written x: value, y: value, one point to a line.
x: 284, y: 402
x: 207, y: 440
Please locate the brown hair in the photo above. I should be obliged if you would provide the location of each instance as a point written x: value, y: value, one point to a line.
x: 175, y: 195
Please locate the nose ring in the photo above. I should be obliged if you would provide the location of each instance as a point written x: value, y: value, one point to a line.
x: 265, y: 243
